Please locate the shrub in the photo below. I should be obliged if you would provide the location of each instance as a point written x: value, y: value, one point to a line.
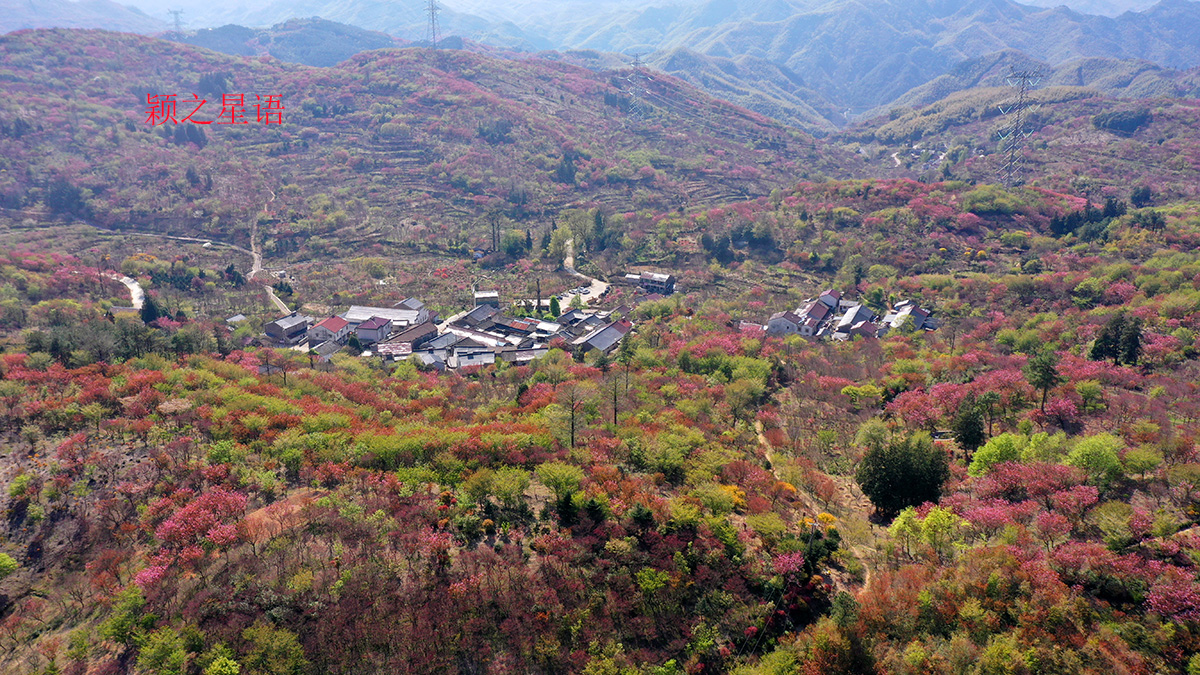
x: 1003, y: 448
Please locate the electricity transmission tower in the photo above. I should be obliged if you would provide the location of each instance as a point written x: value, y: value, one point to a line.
x: 1015, y: 129
x: 636, y: 88
x: 177, y: 14
x: 433, y: 31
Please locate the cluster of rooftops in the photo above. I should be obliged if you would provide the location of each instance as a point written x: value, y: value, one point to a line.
x: 486, y: 333
x: 477, y: 337
x: 832, y: 316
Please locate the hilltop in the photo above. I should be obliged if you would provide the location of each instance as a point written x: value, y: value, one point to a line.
x: 1130, y: 78
x: 310, y: 42
x: 1080, y: 141
x: 408, y: 136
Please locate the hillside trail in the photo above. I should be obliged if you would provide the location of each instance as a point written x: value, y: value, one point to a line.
x: 596, y: 288
x: 256, y: 267
x: 846, y: 499
x: 137, y: 295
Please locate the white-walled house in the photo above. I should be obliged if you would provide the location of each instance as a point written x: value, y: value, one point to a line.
x: 375, y: 329
x: 334, y: 328
x: 784, y: 323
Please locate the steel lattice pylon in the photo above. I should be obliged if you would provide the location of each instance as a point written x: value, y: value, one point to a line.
x: 433, y: 30
x: 1015, y: 130
x: 635, y: 87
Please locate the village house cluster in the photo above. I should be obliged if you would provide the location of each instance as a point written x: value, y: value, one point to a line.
x: 478, y: 337
x: 829, y: 315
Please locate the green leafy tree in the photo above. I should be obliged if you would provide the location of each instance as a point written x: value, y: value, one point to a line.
x: 1003, y: 448
x: 509, y: 485
x: 555, y: 308
x: 906, y: 471
x: 1120, y: 339
x: 1130, y: 342
x: 562, y: 479
x: 150, y: 311
x: 1140, y: 196
x: 513, y: 243
x: 1042, y: 372
x: 163, y: 654
x: 942, y: 529
x: 223, y: 665
x: 218, y: 660
x: 7, y: 565
x: 872, y: 434
x: 1141, y: 461
x: 127, y: 620
x: 559, y: 240
x: 273, y: 651
x: 1099, y: 458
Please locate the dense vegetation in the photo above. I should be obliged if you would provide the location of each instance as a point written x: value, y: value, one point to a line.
x: 1017, y: 491
x: 688, y: 505
x: 408, y: 136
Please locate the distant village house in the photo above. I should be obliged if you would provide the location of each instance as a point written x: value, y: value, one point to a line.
x: 291, y: 329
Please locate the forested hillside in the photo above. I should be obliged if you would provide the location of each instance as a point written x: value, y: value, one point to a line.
x: 409, y: 137
x: 702, y: 502
x: 1077, y: 141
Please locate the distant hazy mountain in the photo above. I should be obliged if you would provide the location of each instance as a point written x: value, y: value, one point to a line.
x: 1101, y: 7
x: 811, y: 63
x: 1112, y: 77
x: 18, y: 14
x: 755, y: 84
x: 865, y: 53
x: 312, y: 42
x: 406, y: 19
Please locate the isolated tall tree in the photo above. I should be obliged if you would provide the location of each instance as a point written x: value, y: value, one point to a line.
x: 905, y: 471
x: 988, y: 401
x: 625, y: 358
x: 1042, y: 372
x: 150, y: 311
x: 1130, y: 342
x: 1108, y: 341
x: 968, y: 426
x: 1120, y: 339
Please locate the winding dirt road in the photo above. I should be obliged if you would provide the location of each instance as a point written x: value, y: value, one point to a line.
x: 255, y: 258
x: 137, y: 296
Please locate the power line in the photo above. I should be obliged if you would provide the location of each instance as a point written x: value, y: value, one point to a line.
x: 433, y: 30
x: 177, y: 14
x: 1015, y: 131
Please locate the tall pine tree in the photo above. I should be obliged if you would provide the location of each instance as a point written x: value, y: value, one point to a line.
x: 1042, y: 372
x: 1120, y: 339
x: 968, y: 426
x: 1130, y: 343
